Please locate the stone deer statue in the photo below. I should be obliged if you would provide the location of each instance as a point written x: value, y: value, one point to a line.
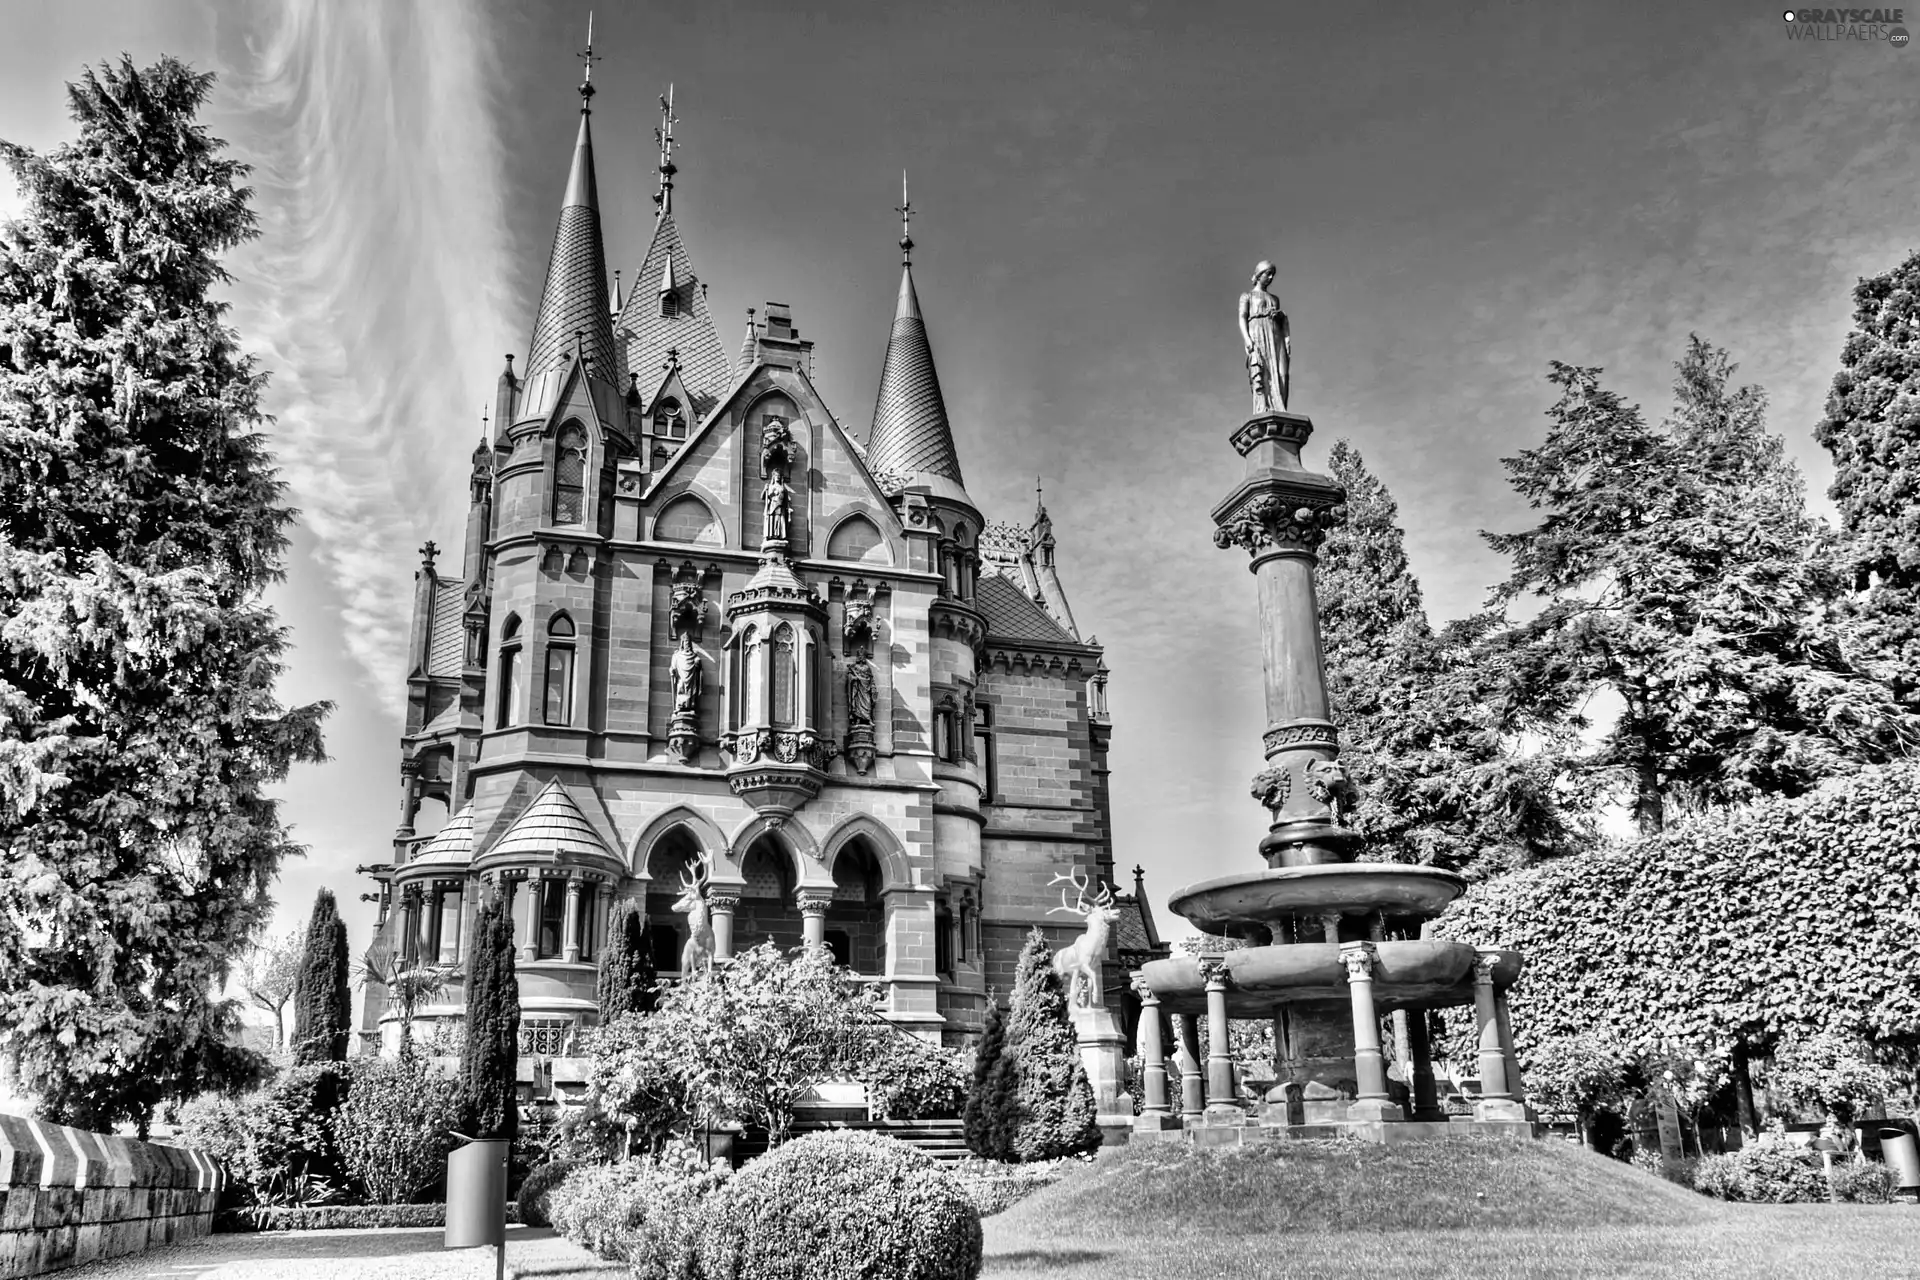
x: 1078, y: 963
x: 697, y: 956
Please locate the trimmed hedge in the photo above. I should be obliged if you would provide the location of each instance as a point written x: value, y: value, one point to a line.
x: 538, y: 1186
x: 842, y: 1205
x: 333, y: 1217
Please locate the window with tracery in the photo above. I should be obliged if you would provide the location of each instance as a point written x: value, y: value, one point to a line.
x: 570, y: 476
x: 783, y: 676
x: 669, y: 419
x: 559, y: 702
x: 509, y: 708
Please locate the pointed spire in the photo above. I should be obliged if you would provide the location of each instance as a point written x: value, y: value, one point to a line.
x: 910, y: 432
x: 747, y: 346
x: 616, y: 293
x: 666, y: 278
x: 574, y: 297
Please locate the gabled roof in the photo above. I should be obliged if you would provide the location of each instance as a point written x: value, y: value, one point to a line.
x: 451, y: 846
x: 574, y: 297
x: 690, y: 332
x: 910, y: 430
x: 552, y: 825
x: 1012, y: 615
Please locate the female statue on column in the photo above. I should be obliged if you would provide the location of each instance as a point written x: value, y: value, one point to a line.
x: 1269, y: 343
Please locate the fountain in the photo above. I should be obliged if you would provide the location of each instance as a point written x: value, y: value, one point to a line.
x: 1335, y: 944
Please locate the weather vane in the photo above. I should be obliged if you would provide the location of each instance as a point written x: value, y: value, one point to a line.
x: 906, y: 213
x: 587, y: 60
x: 663, y: 134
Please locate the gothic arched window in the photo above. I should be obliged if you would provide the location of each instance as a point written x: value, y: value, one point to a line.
x: 983, y: 748
x: 509, y: 711
x: 782, y: 715
x: 752, y: 679
x: 669, y: 419
x: 559, y: 706
x: 945, y: 739
x: 570, y: 475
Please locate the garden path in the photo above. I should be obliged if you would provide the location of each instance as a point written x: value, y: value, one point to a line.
x: 412, y: 1253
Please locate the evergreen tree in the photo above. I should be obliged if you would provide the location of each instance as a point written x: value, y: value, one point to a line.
x: 627, y: 981
x: 1052, y: 1110
x: 140, y: 522
x: 489, y: 1106
x: 322, y: 999
x: 1872, y: 429
x: 981, y: 1118
x: 1682, y: 576
x: 1440, y: 783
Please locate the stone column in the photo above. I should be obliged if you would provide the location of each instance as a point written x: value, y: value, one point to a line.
x: 410, y: 925
x: 602, y: 911
x: 1369, y: 1065
x: 1426, y: 1098
x: 570, y: 923
x: 720, y: 909
x: 450, y: 902
x: 813, y: 917
x: 1510, y: 1059
x: 1193, y: 1100
x: 1496, y: 1103
x: 1219, y: 1047
x: 1153, y: 1054
x: 528, y: 921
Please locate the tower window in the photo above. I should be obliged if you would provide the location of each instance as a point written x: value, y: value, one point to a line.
x: 670, y: 304
x: 943, y: 940
x: 553, y: 913
x: 570, y: 476
x: 669, y: 419
x: 508, y: 715
x: 983, y: 748
x: 783, y: 677
x: 945, y: 744
x: 559, y: 703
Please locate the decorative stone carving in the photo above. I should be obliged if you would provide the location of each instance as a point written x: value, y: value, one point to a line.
x: 687, y: 611
x: 856, y: 624
x: 1484, y: 965
x: 1359, y: 962
x: 1214, y: 972
x: 815, y: 901
x: 777, y: 453
x: 786, y: 746
x: 779, y: 510
x: 860, y: 704
x: 1328, y: 782
x: 1301, y: 733
x: 1270, y: 521
x: 696, y: 957
x: 683, y: 732
x: 1078, y: 963
x: 1268, y: 342
x: 1271, y: 786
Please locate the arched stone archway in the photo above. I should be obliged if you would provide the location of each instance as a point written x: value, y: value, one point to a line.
x: 884, y: 844
x: 856, y: 920
x: 700, y: 828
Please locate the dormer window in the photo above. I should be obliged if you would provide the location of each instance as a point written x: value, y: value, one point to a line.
x: 669, y: 304
x: 570, y: 475
x: 669, y: 419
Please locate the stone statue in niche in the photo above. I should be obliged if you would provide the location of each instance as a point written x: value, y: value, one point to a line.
x: 1268, y: 342
x: 856, y: 637
x: 685, y: 669
x: 777, y: 452
x: 860, y: 692
x: 779, y: 509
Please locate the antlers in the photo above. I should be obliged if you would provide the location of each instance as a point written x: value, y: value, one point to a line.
x: 703, y: 871
x: 1079, y: 906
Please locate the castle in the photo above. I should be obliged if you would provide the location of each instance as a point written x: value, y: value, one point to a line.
x: 696, y: 623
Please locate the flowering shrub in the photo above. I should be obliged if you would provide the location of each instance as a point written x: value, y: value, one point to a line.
x: 394, y: 1128
x: 645, y: 1212
x: 840, y: 1205
x: 1578, y: 1075
x: 908, y: 1078
x: 1767, y: 1172
x: 1828, y: 1074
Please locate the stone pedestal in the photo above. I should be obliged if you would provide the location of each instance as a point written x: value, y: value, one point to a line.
x: 1103, y: 1051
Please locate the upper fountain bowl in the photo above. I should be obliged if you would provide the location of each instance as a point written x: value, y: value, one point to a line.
x: 1230, y: 903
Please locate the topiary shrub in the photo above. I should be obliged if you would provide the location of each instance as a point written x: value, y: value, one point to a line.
x: 538, y: 1185
x: 840, y: 1205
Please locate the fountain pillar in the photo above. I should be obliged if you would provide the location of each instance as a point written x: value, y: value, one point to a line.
x: 1426, y: 1098
x: 1192, y: 1094
x: 1369, y: 1064
x: 1496, y: 1102
x: 1153, y: 1054
x: 1220, y: 1091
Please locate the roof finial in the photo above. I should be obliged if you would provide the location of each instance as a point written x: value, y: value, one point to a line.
x: 1039, y: 504
x: 587, y: 59
x: 663, y: 134
x: 906, y: 213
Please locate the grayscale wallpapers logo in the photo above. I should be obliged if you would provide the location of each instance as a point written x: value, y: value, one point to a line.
x: 1847, y: 24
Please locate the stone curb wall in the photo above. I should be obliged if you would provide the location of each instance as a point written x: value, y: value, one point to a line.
x: 68, y: 1196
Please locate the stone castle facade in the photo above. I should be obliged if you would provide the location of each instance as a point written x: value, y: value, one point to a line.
x: 695, y: 621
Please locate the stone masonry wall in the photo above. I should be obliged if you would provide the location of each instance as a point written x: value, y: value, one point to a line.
x: 68, y: 1196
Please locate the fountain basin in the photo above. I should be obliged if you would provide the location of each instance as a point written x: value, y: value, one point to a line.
x: 1257, y: 898
x: 1426, y: 973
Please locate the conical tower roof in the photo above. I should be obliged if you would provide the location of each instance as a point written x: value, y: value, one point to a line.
x: 910, y: 433
x: 574, y: 298
x: 451, y: 846
x: 651, y: 323
x: 552, y: 824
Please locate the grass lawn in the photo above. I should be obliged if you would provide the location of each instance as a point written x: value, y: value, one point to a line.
x: 1539, y: 1211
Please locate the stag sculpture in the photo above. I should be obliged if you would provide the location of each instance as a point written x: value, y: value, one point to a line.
x: 697, y: 956
x: 1078, y: 963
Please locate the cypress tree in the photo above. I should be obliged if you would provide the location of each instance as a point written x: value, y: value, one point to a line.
x: 1051, y: 1111
x: 140, y: 524
x: 1872, y: 429
x: 985, y: 1131
x: 489, y: 1093
x: 322, y: 999
x: 626, y: 983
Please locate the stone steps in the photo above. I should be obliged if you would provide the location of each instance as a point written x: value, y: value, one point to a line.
x: 944, y: 1140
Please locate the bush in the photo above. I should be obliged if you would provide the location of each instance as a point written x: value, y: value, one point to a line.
x: 644, y: 1212
x: 1763, y: 1173
x: 1864, y: 1183
x: 338, y: 1217
x: 1053, y: 1112
x: 845, y: 1204
x: 908, y: 1078
x: 597, y: 1204
x: 394, y: 1129
x: 276, y: 1143
x: 536, y: 1188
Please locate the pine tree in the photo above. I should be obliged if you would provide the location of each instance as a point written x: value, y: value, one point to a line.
x: 981, y: 1119
x: 1872, y: 429
x: 1682, y: 575
x: 1440, y: 784
x: 489, y: 1093
x: 140, y: 522
x: 627, y: 982
x: 1052, y: 1109
x: 322, y: 999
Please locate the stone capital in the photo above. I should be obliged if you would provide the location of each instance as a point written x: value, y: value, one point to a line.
x: 1359, y: 959
x: 1213, y: 969
x: 1484, y: 964
x: 814, y: 902
x: 1140, y: 988
x: 1280, y: 522
x: 725, y: 903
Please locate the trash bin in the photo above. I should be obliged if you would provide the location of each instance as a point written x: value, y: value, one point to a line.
x: 1902, y: 1156
x: 477, y: 1193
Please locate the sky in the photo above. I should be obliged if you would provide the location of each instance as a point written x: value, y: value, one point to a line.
x: 1452, y: 195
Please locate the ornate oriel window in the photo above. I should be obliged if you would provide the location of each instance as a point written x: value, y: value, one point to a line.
x: 669, y: 419
x: 559, y: 703
x: 509, y: 707
x: 570, y: 475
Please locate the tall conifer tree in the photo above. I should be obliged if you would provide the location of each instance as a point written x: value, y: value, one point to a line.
x: 489, y: 1092
x: 322, y: 998
x: 626, y: 981
x: 1872, y: 429
x: 140, y: 522
x: 1051, y: 1110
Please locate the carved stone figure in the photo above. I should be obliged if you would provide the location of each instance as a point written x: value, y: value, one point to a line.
x: 779, y: 508
x: 1271, y: 786
x: 685, y: 669
x: 688, y: 610
x: 860, y: 691
x: 1268, y: 342
x: 1327, y: 782
x: 856, y: 624
x: 696, y: 958
x: 1078, y: 963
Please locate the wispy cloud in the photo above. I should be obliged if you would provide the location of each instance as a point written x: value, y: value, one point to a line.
x: 381, y: 282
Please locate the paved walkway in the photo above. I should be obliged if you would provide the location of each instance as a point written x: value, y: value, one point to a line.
x: 412, y: 1253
